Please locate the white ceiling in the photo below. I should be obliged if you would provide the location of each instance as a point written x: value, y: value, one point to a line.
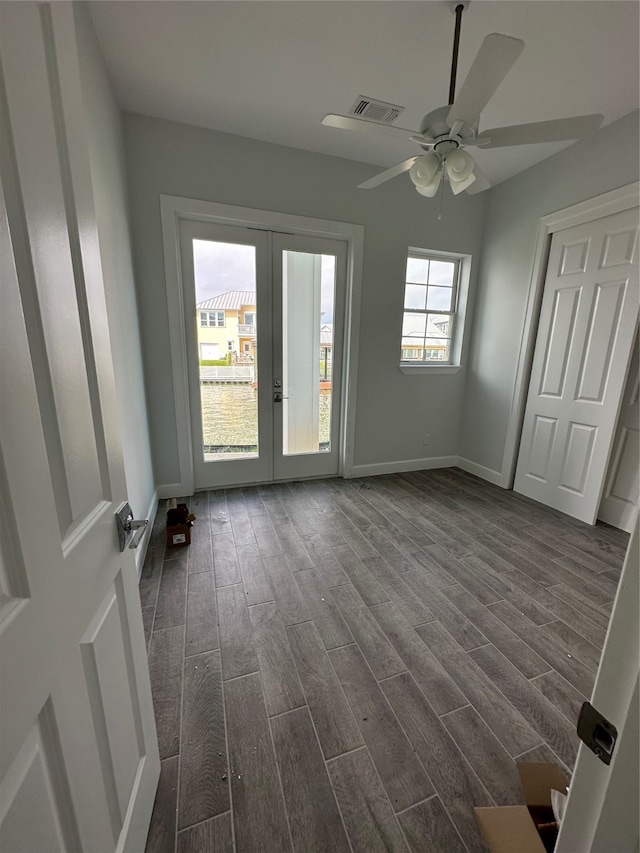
x: 271, y: 70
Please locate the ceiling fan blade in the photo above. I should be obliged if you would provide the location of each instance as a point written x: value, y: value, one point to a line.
x: 492, y: 64
x: 481, y: 182
x: 398, y: 169
x: 363, y: 124
x: 539, y: 131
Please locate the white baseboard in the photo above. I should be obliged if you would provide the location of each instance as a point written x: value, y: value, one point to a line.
x: 141, y: 550
x: 487, y: 474
x: 170, y: 490
x: 403, y: 465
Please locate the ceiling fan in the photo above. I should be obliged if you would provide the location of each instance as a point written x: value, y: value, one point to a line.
x: 446, y: 131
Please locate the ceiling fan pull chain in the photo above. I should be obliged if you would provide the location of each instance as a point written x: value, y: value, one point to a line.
x: 454, y: 59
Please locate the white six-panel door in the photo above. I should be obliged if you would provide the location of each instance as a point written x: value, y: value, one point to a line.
x: 587, y: 324
x: 78, y: 751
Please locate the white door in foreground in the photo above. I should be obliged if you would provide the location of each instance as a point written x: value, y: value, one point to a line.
x: 78, y: 752
x: 585, y: 335
x: 620, y: 498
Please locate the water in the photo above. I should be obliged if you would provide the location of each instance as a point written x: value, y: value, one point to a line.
x: 230, y: 417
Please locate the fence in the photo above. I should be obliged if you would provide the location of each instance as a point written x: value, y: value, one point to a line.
x: 236, y: 373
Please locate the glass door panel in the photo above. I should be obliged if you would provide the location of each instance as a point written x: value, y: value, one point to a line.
x: 308, y: 320
x: 225, y: 281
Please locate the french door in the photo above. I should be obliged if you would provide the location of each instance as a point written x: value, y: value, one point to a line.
x: 264, y: 325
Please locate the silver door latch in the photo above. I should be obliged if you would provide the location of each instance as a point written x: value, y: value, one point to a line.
x: 130, y: 529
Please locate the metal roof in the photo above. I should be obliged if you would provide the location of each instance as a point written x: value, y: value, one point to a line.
x: 232, y: 300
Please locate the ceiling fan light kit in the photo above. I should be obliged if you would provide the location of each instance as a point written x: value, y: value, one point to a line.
x: 446, y: 131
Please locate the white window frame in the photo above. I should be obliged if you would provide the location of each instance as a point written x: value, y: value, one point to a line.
x: 459, y: 315
x: 215, y: 315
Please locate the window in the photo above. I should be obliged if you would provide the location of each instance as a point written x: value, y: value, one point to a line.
x: 250, y: 318
x: 212, y: 318
x: 230, y: 346
x: 430, y: 304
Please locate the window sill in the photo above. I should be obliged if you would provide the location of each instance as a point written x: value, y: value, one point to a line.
x: 415, y: 369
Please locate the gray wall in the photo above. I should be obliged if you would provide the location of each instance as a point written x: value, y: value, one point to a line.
x: 607, y: 160
x: 104, y: 126
x: 393, y: 410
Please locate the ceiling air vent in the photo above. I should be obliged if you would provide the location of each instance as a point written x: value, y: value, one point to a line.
x: 373, y: 110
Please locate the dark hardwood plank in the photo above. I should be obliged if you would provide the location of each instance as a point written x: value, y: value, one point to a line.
x: 596, y: 613
x: 202, y: 615
x: 253, y: 502
x: 437, y: 686
x: 574, y: 643
x: 561, y: 694
x: 495, y: 630
x: 464, y: 632
x: 561, y: 609
x: 212, y: 836
x: 203, y: 760
x: 199, y: 506
x: 165, y: 668
x: 365, y: 807
x: 414, y: 611
x: 484, y: 752
x: 172, y: 595
x: 576, y: 673
x: 324, y: 560
x: 282, y: 689
x: 476, y: 587
x: 507, y: 590
x: 541, y: 755
x: 225, y: 560
x: 162, y: 830
x: 453, y: 779
x: 386, y: 544
x: 607, y: 586
x: 148, y: 614
x: 543, y: 717
x: 236, y: 637
x: 332, y: 717
x: 427, y: 826
x: 257, y: 585
x: 313, y: 813
x: 505, y: 722
x: 201, y: 553
x: 264, y: 531
x: 370, y: 590
x: 150, y: 577
x: 293, y: 546
x: 376, y: 648
x: 402, y: 775
x: 323, y: 609
x: 258, y: 807
x: 285, y: 590
x: 218, y: 512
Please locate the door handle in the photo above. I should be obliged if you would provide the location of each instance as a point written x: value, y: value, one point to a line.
x: 278, y: 398
x: 130, y: 529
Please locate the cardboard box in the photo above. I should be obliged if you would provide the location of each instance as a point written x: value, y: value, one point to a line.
x: 178, y: 534
x: 530, y: 828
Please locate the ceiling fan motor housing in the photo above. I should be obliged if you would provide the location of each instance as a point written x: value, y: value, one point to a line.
x: 435, y: 126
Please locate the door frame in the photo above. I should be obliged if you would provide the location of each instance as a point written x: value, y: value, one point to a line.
x: 173, y: 209
x: 598, y: 207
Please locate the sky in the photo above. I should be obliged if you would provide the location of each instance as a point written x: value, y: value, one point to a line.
x: 220, y: 267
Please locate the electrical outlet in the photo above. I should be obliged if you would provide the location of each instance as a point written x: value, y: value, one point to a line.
x: 427, y: 438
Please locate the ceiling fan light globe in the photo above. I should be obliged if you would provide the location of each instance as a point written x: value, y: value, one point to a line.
x: 430, y: 189
x: 423, y: 170
x: 459, y: 186
x: 459, y: 165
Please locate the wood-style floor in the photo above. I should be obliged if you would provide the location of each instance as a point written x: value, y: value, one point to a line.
x: 353, y: 665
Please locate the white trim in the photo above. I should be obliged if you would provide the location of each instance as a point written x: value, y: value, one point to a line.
x: 615, y: 201
x: 174, y: 208
x: 477, y: 470
x: 170, y: 490
x: 141, y: 550
x: 404, y: 465
x: 415, y: 369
